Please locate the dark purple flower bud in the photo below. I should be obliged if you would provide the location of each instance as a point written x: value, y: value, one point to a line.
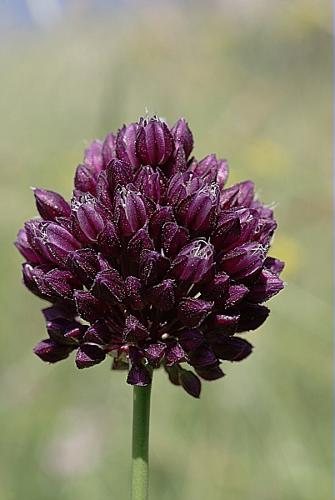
x: 274, y: 265
x: 203, y: 356
x: 191, y: 339
x: 119, y: 174
x: 151, y: 183
x: 25, y: 248
x: 174, y: 354
x: 51, y: 351
x: 153, y: 266
x: 65, y: 331
x: 162, y: 296
x: 223, y: 324
x: 133, y: 291
x: 139, y: 242
x: 98, y: 333
x: 181, y: 186
x: 90, y: 221
x: 157, y: 221
x: 243, y: 261
x: 190, y: 383
x: 177, y: 162
x: 134, y: 331
x: 183, y: 135
x: 89, y: 355
x: 109, y: 286
x: 85, y: 179
x: 217, y: 288
x: 108, y: 240
x: 174, y: 238
x: 193, y: 262
x: 210, y: 372
x: 173, y: 373
x: 138, y: 375
x: 154, y: 353
x: 60, y: 242
x: 192, y: 312
x: 228, y: 230
x: 234, y: 295
x: 85, y: 264
x: 51, y: 205
x: 130, y: 211
x: 232, y: 349
x: 35, y: 232
x: 108, y: 149
x: 103, y: 191
x: 239, y: 195
x: 266, y: 286
x: 198, y: 211
x: 60, y: 283
x: 58, y: 312
x: 93, y: 156
x: 154, y: 142
x: 252, y: 316
x: 89, y: 308
x: 212, y: 170
x: 33, y: 278
x: 264, y: 231
x: 125, y: 145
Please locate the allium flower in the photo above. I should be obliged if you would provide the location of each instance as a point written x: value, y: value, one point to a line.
x: 154, y: 261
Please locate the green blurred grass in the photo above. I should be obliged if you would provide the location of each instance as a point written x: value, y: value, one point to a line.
x: 256, y: 90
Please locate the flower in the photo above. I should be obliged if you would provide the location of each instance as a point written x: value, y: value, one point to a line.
x: 154, y: 261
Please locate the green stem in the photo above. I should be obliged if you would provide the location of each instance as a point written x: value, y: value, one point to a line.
x: 140, y: 451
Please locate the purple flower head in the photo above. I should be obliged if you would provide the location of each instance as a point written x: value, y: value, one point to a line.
x: 155, y: 262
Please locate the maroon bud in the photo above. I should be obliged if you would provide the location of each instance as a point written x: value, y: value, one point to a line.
x: 125, y: 145
x: 25, y: 248
x: 139, y: 375
x: 154, y: 143
x: 108, y: 240
x: 60, y: 242
x: 210, y: 372
x: 191, y: 339
x: 119, y: 173
x: 266, y: 286
x: 157, y: 221
x: 85, y: 179
x: 193, y: 262
x: 182, y: 185
x: 133, y: 292
x: 252, y: 316
x: 190, y: 383
x: 90, y: 221
x: 198, y: 211
x: 183, y: 135
x: 239, y: 195
x: 151, y: 183
x: 223, y: 324
x: 51, y: 351
x: 218, y: 287
x: 173, y: 238
x: 139, y: 242
x: 274, y: 265
x: 174, y: 354
x: 212, y: 170
x: 130, y: 211
x: 108, y: 149
x: 154, y: 353
x: 89, y: 308
x: 243, y: 261
x: 60, y: 283
x: 109, y: 286
x: 192, y: 312
x: 89, y: 355
x: 234, y: 295
x: 51, y: 205
x: 233, y: 349
x: 134, y: 331
x: 203, y: 356
x: 162, y: 296
x: 85, y: 264
x: 153, y: 266
x: 93, y: 156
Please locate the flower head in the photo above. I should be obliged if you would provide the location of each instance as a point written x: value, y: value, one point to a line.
x: 154, y: 261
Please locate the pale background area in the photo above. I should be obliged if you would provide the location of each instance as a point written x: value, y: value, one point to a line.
x: 254, y: 80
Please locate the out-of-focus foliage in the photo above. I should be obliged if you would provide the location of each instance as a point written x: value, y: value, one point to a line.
x: 255, y: 86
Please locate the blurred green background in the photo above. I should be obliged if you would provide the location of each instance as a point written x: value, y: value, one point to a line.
x: 254, y: 80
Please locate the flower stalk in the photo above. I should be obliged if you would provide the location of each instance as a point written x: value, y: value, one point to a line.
x: 140, y: 444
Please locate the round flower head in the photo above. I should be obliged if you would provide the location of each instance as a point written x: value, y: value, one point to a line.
x: 154, y: 261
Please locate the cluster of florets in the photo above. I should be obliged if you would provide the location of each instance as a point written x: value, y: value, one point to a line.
x: 153, y: 262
